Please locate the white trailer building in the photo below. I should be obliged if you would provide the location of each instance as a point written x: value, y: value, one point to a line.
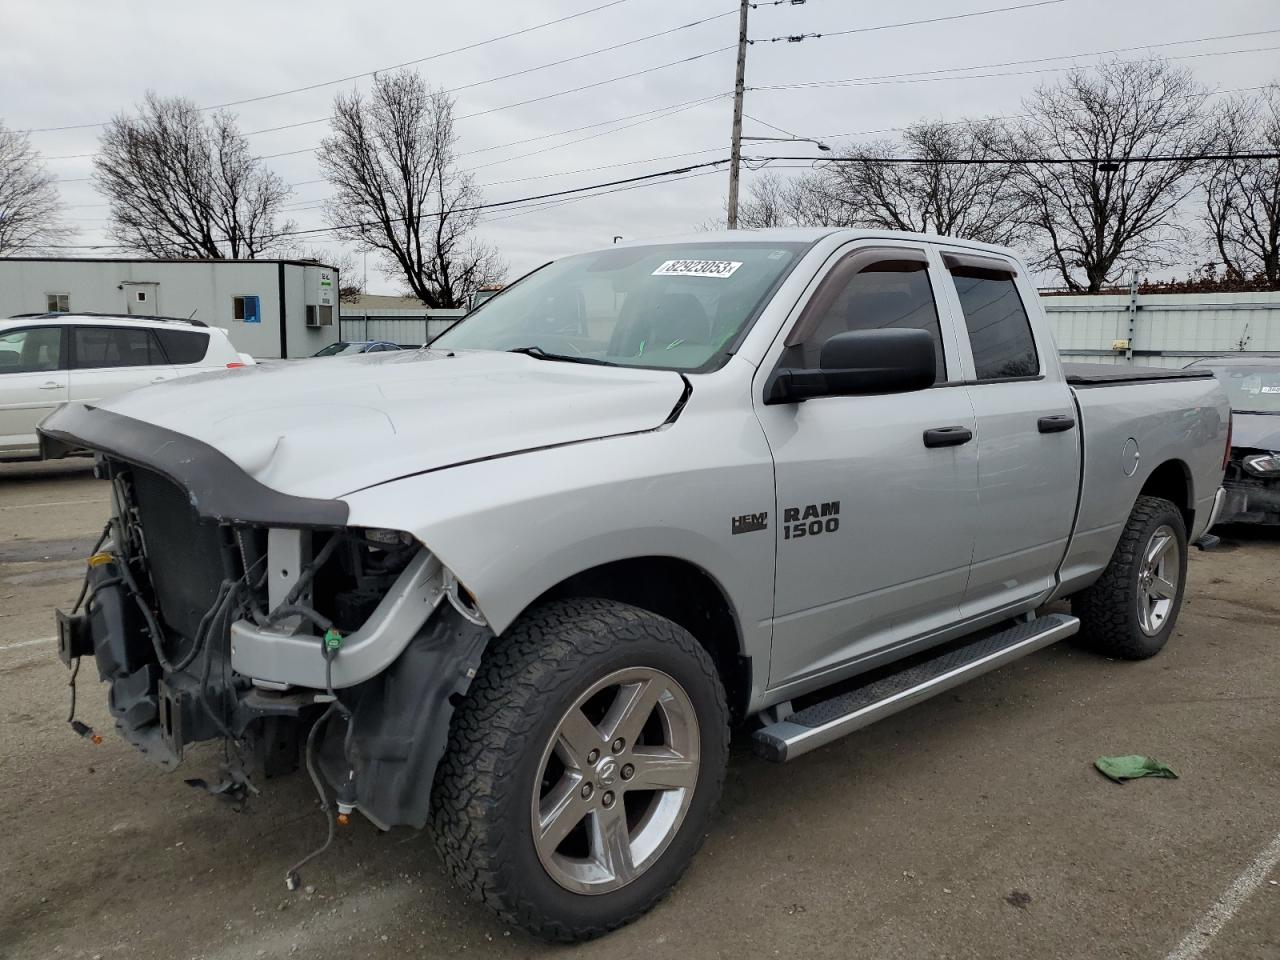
x: 271, y: 308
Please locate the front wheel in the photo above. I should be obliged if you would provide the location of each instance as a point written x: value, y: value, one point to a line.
x: 582, y: 768
x: 1131, y: 610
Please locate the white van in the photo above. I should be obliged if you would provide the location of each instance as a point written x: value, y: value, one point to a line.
x: 48, y: 359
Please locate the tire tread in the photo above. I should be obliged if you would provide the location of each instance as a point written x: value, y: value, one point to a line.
x: 521, y: 671
x: 1108, y: 608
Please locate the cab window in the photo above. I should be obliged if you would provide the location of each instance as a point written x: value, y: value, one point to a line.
x: 999, y: 330
x: 870, y: 289
x: 32, y: 350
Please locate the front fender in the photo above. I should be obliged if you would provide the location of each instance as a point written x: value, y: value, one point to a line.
x: 511, y: 529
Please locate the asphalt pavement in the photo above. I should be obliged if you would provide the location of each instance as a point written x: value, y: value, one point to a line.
x: 972, y: 826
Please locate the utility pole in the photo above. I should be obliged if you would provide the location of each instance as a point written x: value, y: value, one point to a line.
x: 735, y: 151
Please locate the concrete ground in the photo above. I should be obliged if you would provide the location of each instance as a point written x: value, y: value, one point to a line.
x: 971, y: 826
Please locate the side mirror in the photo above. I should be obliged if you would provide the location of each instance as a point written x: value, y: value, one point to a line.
x: 893, y: 360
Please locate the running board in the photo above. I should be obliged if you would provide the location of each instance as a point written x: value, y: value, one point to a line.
x: 823, y: 722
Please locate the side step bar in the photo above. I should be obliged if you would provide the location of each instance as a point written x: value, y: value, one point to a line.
x: 821, y: 723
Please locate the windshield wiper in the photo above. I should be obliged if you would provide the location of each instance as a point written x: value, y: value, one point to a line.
x: 539, y: 354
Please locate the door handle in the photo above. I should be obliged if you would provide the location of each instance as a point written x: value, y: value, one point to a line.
x: 159, y: 379
x: 1056, y: 424
x: 51, y: 385
x: 947, y: 436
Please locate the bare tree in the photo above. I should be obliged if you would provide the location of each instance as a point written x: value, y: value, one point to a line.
x: 1242, y: 197
x: 398, y: 191
x: 931, y: 192
x: 30, y: 208
x: 181, y: 186
x: 1094, y: 220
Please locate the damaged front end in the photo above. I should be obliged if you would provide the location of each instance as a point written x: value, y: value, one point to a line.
x: 1252, y: 485
x: 211, y: 620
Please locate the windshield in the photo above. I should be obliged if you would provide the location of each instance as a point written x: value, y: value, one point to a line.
x: 1250, y: 389
x: 336, y: 349
x: 669, y: 307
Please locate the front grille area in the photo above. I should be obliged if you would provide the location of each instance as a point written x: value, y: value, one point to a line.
x: 183, y: 556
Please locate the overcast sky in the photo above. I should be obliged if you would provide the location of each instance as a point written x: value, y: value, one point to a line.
x: 69, y: 62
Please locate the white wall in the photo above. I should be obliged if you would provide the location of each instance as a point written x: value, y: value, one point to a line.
x: 1170, y: 329
x: 205, y: 288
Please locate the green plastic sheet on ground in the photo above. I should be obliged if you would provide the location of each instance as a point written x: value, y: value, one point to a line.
x: 1121, y: 769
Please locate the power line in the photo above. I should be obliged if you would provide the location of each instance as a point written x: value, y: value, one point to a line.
x: 1015, y: 116
x: 796, y: 38
x: 1034, y: 161
x: 368, y: 73
x: 708, y: 166
x: 806, y: 84
x: 519, y: 73
x: 593, y: 136
x: 545, y: 97
x: 597, y: 83
x: 927, y: 77
x: 498, y: 204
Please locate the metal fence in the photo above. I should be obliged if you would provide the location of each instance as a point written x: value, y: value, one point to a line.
x: 1163, y: 329
x: 408, y: 330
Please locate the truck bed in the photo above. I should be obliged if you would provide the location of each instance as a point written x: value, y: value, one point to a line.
x: 1105, y: 374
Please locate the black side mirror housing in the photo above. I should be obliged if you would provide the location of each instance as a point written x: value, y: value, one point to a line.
x: 860, y: 362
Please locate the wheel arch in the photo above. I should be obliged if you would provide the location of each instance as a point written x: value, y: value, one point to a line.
x: 684, y: 593
x: 1172, y: 481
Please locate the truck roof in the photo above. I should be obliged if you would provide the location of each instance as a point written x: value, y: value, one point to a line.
x: 813, y: 234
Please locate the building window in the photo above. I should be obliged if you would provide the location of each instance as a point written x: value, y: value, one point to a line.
x: 141, y: 296
x: 57, y: 302
x: 246, y: 309
x: 326, y: 316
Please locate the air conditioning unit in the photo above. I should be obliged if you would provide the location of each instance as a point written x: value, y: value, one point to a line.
x: 321, y: 316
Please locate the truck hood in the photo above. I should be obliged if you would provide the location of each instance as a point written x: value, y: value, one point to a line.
x: 1257, y: 431
x: 328, y: 427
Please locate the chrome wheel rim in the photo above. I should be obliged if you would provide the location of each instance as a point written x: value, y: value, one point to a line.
x: 1158, y: 580
x: 615, y: 781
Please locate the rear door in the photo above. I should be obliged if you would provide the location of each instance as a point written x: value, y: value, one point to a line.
x: 1028, y: 440
x: 108, y: 360
x: 874, y: 529
x: 33, y: 382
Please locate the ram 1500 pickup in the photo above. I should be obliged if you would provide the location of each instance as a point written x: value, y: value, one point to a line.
x: 518, y: 585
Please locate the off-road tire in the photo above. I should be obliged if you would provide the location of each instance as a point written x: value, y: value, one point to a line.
x: 1108, y: 610
x: 481, y: 797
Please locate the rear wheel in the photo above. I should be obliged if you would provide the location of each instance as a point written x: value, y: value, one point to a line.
x: 582, y: 768
x: 1131, y: 610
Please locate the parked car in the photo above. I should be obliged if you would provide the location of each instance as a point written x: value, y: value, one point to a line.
x: 519, y: 585
x: 1252, y: 483
x: 347, y: 348
x: 51, y: 358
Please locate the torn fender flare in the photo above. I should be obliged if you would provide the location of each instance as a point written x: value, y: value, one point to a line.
x: 386, y: 762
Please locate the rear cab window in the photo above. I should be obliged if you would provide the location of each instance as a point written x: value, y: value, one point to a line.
x: 999, y: 329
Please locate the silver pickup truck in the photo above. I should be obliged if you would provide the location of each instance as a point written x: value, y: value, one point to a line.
x: 519, y: 585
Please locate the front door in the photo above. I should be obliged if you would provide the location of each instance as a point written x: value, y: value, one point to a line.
x: 874, y: 528
x: 33, y: 382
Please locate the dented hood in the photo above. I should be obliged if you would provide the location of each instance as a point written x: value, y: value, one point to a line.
x: 328, y: 427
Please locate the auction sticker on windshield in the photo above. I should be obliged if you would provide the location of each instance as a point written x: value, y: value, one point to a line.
x: 698, y: 268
